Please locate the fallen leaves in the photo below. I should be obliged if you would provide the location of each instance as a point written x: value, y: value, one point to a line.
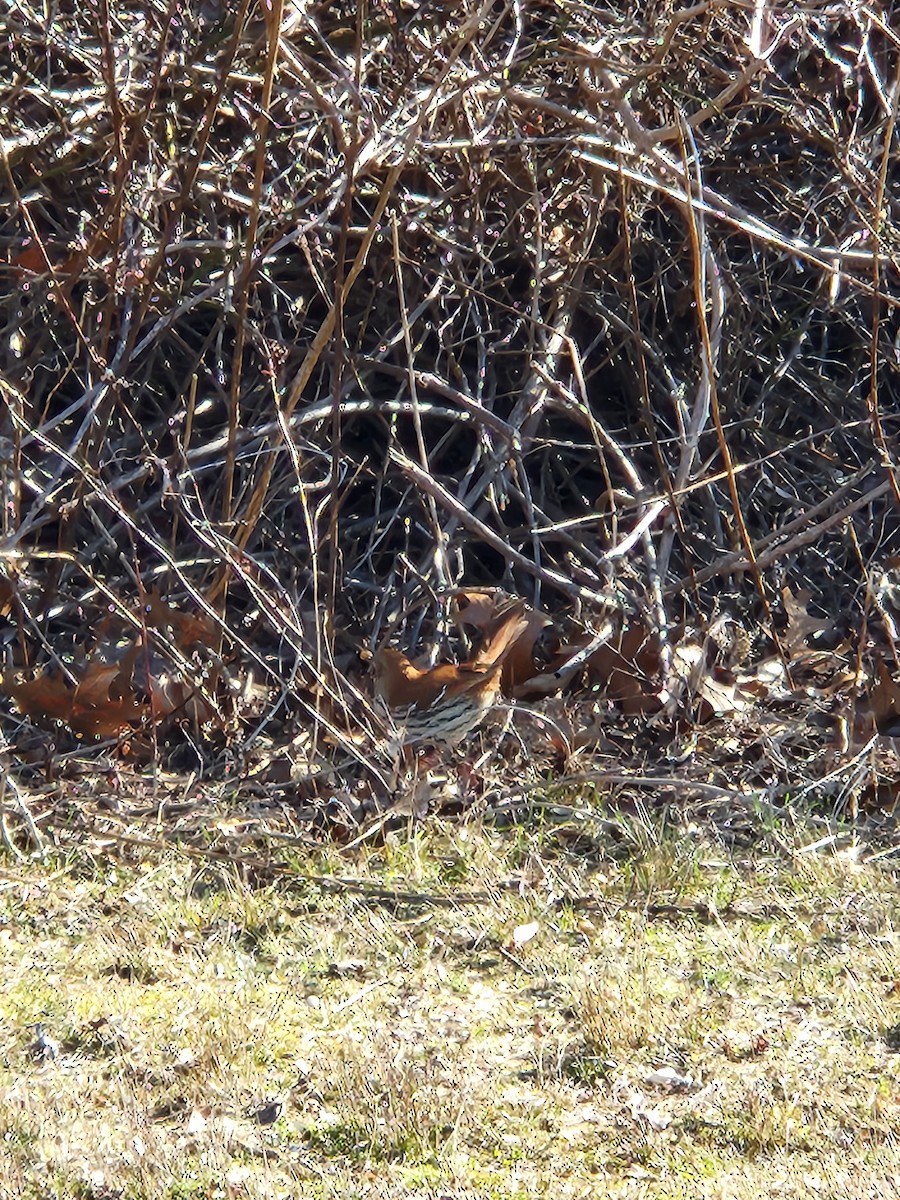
x: 123, y: 683
x: 486, y: 611
x: 698, y: 676
x: 801, y: 624
x: 99, y: 704
x: 163, y: 667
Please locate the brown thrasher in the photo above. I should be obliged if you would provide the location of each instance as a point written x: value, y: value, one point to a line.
x: 444, y: 703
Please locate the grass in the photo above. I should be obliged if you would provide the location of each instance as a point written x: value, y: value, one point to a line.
x: 420, y: 1046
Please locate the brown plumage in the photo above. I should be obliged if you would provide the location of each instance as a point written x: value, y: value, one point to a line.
x: 446, y: 702
x: 485, y: 609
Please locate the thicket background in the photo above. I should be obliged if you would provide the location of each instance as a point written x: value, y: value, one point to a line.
x: 312, y: 312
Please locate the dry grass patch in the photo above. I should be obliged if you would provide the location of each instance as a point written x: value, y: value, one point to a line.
x: 510, y: 1020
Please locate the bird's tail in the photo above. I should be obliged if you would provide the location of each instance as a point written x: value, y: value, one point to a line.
x: 504, y: 638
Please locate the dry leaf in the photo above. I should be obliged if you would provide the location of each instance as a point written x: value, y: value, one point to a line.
x: 670, y: 1079
x: 172, y: 695
x: 188, y: 630
x: 101, y: 704
x: 626, y: 670
x: 800, y: 624
x: 524, y: 933
x: 884, y: 698
x: 196, y: 1123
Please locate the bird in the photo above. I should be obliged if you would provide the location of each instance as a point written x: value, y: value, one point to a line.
x: 442, y: 704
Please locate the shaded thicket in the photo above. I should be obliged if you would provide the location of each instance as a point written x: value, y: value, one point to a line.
x: 312, y: 313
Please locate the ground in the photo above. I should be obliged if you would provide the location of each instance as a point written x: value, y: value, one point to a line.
x: 460, y: 1011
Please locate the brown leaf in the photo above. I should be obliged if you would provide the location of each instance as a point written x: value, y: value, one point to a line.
x: 101, y: 704
x: 188, y: 629
x: 626, y: 670
x: 172, y: 695
x: 800, y: 624
x: 884, y: 698
x: 478, y: 607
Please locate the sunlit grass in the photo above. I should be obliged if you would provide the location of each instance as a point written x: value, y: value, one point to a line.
x: 491, y: 1030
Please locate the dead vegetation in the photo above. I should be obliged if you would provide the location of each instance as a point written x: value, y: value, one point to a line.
x: 320, y: 323
x: 314, y: 314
